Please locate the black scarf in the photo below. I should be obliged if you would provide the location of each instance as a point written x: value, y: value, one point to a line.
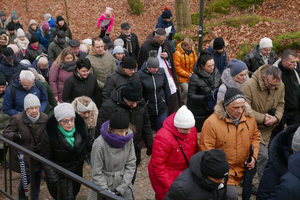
x: 128, y: 39
x: 69, y: 67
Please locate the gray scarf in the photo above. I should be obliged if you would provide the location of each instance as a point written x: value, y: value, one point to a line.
x: 33, y: 119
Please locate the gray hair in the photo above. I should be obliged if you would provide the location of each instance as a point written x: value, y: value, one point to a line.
x: 119, y: 42
x: 26, y: 75
x: 83, y: 48
x: 286, y: 53
x: 272, y: 71
x: 14, y: 48
x: 43, y: 60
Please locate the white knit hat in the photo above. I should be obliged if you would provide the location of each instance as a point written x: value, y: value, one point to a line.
x: 31, y: 100
x: 20, y: 33
x: 184, y: 118
x: 296, y: 140
x: 118, y: 49
x: 265, y: 43
x: 63, y: 110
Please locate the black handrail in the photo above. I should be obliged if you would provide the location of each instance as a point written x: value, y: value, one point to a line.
x: 101, y: 193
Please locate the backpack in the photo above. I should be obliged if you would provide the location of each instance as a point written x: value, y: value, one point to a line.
x: 212, y: 99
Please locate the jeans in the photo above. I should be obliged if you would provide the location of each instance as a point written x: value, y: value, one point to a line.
x: 38, y: 177
x: 158, y: 120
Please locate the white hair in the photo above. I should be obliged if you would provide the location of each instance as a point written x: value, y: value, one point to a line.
x: 14, y: 48
x: 43, y: 60
x: 119, y: 42
x: 83, y: 48
x: 26, y: 75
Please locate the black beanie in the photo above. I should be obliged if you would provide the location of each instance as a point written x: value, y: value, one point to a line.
x: 166, y: 14
x: 119, y: 119
x: 219, y: 43
x: 10, y: 27
x: 232, y: 94
x: 59, y: 18
x: 129, y: 63
x: 214, y: 164
x: 2, y: 79
x: 34, y: 39
x: 132, y: 91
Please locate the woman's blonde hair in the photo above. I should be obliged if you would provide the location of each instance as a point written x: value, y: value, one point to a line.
x: 63, y: 54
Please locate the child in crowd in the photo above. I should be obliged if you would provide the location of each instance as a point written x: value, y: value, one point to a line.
x: 105, y: 22
x: 118, y: 54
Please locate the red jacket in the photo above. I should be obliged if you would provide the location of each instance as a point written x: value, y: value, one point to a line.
x: 167, y: 160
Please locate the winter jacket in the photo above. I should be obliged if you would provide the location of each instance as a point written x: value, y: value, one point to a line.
x: 102, y: 20
x: 31, y: 134
x: 7, y: 69
x: 54, y: 31
x: 220, y: 132
x: 253, y: 59
x: 113, y: 168
x: 31, y: 53
x: 51, y: 23
x: 57, y: 77
x: 220, y: 59
x: 11, y: 37
x: 288, y: 188
x: 117, y: 79
x: 227, y: 82
x: 167, y: 160
x: 43, y: 38
x: 135, y: 47
x: 44, y: 73
x: 30, y: 32
x: 138, y: 116
x: 58, y: 150
x: 76, y: 86
x: 11, y: 108
x: 262, y: 100
x: 200, y: 86
x: 4, y: 119
x: 51, y: 99
x: 55, y: 48
x: 102, y: 66
x: 17, y: 25
x: 184, y: 63
x: 280, y: 149
x: 81, y: 55
x: 168, y: 26
x: 191, y: 184
x: 156, y: 91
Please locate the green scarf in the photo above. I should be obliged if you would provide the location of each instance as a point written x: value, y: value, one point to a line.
x: 68, y: 134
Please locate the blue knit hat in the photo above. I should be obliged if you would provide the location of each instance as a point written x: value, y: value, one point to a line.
x: 167, y: 14
x: 236, y: 67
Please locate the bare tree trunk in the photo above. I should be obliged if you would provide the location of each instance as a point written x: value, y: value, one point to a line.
x: 183, y: 15
x: 136, y: 6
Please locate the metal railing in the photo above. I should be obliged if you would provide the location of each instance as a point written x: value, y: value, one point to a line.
x: 101, y: 193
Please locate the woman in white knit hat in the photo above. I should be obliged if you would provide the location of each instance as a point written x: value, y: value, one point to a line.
x: 173, y: 146
x: 21, y: 41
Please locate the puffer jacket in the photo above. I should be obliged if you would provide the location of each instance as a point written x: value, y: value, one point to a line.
x: 43, y: 37
x: 58, y: 150
x: 4, y: 119
x: 262, y: 100
x: 102, y: 66
x: 191, y: 184
x: 220, y: 132
x: 31, y: 53
x: 280, y: 150
x: 7, y: 69
x: 117, y: 79
x: 31, y: 134
x: 167, y: 160
x: 200, y: 86
x: 156, y: 91
x: 253, y: 59
x: 220, y: 59
x: 184, y: 63
x: 55, y: 48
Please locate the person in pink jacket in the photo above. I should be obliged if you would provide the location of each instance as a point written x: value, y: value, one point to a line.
x: 173, y: 146
x: 60, y: 70
x: 105, y: 22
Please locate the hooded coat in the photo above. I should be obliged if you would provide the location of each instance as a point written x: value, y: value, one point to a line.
x: 167, y: 160
x: 220, y: 59
x: 43, y: 37
x: 54, y: 31
x: 9, y: 70
x: 31, y: 53
x: 262, y: 100
x: 191, y: 184
x: 220, y: 132
x: 55, y: 48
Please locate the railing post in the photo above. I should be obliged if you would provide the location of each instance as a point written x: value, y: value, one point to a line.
x: 10, y: 174
x: 32, y: 178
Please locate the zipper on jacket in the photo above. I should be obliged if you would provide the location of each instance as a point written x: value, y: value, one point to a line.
x: 155, y: 97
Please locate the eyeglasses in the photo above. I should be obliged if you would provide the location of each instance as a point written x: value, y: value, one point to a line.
x: 42, y: 67
x: 66, y: 121
x: 271, y: 85
x: 28, y: 86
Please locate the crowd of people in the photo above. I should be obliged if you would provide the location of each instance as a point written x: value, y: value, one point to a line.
x: 100, y: 100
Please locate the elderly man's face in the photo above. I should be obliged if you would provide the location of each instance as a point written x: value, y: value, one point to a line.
x: 236, y: 108
x: 75, y: 50
x: 126, y: 31
x: 160, y: 39
x: 27, y: 85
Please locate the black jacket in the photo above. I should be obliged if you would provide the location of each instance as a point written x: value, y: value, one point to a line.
x: 134, y: 44
x: 116, y: 79
x: 279, y: 152
x: 76, y: 86
x: 156, y: 91
x: 58, y: 150
x: 81, y: 55
x: 31, y: 53
x: 191, y: 184
x: 253, y: 59
x: 200, y: 86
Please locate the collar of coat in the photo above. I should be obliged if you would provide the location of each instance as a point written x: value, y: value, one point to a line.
x: 93, y: 53
x: 221, y: 113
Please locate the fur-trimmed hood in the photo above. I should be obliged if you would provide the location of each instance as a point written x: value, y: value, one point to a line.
x: 229, y: 81
x: 221, y: 113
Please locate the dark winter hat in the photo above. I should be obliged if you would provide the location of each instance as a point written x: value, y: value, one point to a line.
x: 236, y: 67
x: 166, y: 14
x: 218, y: 43
x: 153, y: 61
x: 107, y: 40
x: 34, y: 39
x: 214, y: 164
x: 74, y: 43
x: 132, y: 91
x: 11, y: 27
x: 129, y: 63
x: 233, y: 94
x: 119, y: 119
x: 125, y: 26
x: 2, y: 79
x: 9, y: 53
x: 2, y: 13
x: 61, y: 36
x: 296, y: 140
x: 160, y: 31
x: 14, y: 16
x: 59, y: 18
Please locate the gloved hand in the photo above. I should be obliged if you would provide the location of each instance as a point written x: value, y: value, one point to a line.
x: 206, y: 97
x: 171, y: 36
x: 116, y: 192
x: 149, y: 151
x: 17, y: 137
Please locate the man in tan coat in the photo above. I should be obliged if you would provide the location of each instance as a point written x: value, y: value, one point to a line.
x: 264, y: 91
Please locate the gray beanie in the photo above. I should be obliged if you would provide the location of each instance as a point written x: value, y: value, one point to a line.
x: 296, y: 140
x: 236, y: 67
x: 265, y: 43
x: 14, y: 16
x: 2, y: 13
x: 63, y: 110
x: 153, y: 61
x: 31, y: 100
x: 20, y: 33
x: 118, y: 49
